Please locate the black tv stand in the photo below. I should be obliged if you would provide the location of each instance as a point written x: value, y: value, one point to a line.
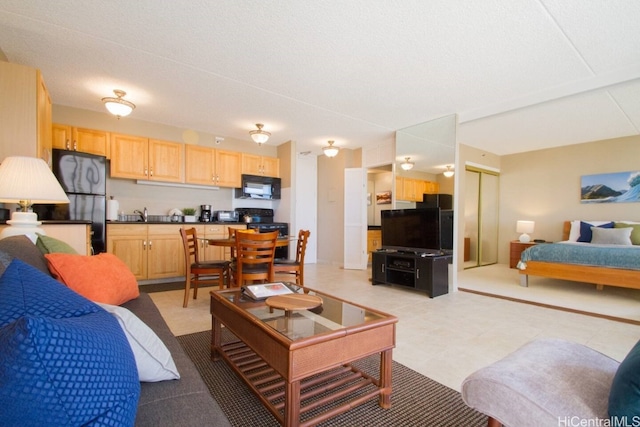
x: 429, y: 273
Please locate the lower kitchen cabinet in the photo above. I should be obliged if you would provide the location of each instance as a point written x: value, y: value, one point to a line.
x: 215, y: 231
x: 151, y: 251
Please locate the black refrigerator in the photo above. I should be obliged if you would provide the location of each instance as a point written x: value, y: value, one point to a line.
x: 83, y: 177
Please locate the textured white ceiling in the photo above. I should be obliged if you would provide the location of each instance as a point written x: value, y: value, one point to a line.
x: 521, y: 74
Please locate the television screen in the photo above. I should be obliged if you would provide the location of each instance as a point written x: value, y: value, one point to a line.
x: 411, y: 230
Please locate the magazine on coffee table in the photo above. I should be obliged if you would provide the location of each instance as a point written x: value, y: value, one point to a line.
x: 266, y: 290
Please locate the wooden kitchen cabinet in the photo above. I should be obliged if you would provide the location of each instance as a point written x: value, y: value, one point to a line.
x: 151, y: 251
x: 431, y: 187
x: 91, y: 141
x: 412, y: 190
x: 260, y: 165
x: 142, y: 158
x: 208, y: 166
x: 209, y: 252
x: 25, y: 111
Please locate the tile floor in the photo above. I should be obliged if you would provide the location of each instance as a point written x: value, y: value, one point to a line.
x: 449, y: 337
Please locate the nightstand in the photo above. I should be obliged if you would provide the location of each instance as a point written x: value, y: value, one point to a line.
x: 515, y: 249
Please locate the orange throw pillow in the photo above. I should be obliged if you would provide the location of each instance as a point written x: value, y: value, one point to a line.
x: 100, y: 278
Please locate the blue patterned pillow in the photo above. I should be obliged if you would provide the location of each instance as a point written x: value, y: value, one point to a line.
x: 26, y: 290
x: 69, y: 371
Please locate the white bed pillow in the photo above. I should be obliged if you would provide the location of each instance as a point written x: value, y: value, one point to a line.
x: 153, y: 359
x: 574, y: 232
x: 611, y: 236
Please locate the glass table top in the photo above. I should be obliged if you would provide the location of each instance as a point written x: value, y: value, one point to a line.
x: 334, y: 314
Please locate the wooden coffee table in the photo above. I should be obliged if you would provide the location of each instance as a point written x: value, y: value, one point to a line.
x: 299, y: 365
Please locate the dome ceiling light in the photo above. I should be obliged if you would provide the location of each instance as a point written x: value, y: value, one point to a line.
x: 330, y: 150
x: 117, y: 106
x: 449, y: 172
x: 259, y: 136
x: 407, y: 165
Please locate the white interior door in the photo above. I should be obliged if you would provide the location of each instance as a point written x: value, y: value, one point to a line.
x: 355, y: 219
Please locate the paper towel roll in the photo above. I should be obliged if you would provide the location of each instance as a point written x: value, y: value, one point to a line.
x: 112, y: 210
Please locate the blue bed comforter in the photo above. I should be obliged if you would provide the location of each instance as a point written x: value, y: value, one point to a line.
x: 612, y: 256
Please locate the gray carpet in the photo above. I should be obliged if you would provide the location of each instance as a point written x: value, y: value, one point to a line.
x: 416, y: 399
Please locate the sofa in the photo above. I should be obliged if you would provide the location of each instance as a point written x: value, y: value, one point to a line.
x: 185, y: 401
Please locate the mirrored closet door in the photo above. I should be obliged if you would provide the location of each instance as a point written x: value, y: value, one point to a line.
x: 481, y: 217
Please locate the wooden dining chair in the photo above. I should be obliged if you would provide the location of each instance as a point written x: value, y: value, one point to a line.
x: 295, y: 266
x: 198, y: 271
x: 255, y: 253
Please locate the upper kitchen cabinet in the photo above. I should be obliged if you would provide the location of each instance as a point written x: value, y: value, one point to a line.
x: 411, y: 190
x: 142, y: 158
x: 208, y: 166
x: 25, y: 111
x: 91, y: 141
x: 260, y: 165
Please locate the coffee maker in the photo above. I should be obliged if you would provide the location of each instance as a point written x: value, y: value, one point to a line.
x: 205, y: 213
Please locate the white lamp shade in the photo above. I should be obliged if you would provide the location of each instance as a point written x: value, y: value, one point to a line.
x: 330, y: 150
x: 29, y: 179
x: 118, y: 108
x: 259, y: 136
x: 525, y: 227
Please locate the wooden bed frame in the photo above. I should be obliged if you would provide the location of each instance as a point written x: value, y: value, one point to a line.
x: 600, y: 276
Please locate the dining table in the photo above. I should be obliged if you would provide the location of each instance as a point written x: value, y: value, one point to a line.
x: 230, y: 242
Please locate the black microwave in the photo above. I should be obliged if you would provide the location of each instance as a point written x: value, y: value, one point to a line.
x: 259, y: 187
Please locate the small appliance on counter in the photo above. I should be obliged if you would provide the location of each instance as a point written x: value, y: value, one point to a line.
x: 227, y: 216
x: 205, y: 213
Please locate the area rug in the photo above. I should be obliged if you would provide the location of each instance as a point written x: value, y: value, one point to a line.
x: 416, y: 399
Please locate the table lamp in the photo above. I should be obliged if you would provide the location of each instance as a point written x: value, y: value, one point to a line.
x: 525, y: 227
x: 27, y: 180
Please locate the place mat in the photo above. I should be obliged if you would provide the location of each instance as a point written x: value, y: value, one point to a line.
x: 292, y: 302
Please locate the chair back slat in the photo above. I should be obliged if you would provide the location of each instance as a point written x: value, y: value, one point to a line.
x: 255, y: 251
x: 301, y: 247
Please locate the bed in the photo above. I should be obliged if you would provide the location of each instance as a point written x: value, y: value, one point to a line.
x: 620, y: 275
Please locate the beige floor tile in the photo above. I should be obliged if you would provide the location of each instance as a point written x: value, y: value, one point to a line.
x: 449, y: 337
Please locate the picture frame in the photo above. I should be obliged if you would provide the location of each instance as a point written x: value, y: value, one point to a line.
x: 383, y: 198
x: 616, y: 187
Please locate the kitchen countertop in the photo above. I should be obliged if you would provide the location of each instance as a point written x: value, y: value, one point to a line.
x: 168, y: 222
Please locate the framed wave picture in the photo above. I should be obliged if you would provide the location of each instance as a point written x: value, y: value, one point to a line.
x: 618, y: 187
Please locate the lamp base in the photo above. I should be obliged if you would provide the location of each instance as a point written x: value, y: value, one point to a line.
x: 23, y: 223
x: 525, y: 238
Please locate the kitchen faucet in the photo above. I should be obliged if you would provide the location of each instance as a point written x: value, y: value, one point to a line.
x: 143, y: 215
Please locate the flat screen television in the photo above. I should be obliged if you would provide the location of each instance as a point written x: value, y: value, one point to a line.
x: 411, y: 230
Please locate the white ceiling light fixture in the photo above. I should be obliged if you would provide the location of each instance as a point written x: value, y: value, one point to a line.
x: 407, y: 165
x: 448, y: 173
x: 330, y: 150
x: 117, y: 106
x: 260, y: 136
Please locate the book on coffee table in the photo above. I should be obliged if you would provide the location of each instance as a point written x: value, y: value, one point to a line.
x: 265, y: 290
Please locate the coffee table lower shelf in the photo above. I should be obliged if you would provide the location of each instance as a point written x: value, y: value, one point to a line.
x: 322, y: 396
